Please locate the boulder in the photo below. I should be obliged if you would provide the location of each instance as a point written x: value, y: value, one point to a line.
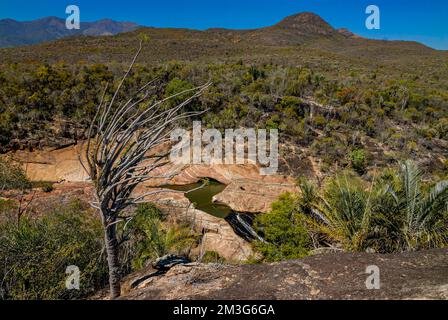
x: 167, y: 262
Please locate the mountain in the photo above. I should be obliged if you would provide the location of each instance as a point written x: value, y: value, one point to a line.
x: 14, y: 33
x: 306, y: 24
x: 296, y: 39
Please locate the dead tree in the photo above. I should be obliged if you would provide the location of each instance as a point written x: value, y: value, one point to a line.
x: 118, y: 155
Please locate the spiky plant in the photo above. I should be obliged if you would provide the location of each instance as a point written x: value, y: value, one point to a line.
x: 420, y: 218
x: 159, y: 240
x: 344, y: 209
x: 393, y: 213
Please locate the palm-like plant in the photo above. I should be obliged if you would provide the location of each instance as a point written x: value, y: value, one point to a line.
x: 420, y: 218
x: 392, y: 214
x: 342, y: 213
x: 159, y: 241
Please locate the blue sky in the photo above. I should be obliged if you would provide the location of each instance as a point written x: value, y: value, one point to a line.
x: 425, y: 21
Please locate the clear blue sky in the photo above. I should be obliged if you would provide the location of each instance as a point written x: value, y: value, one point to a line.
x: 425, y: 21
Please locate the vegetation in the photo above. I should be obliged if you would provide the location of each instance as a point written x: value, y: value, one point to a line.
x: 371, y: 121
x: 358, y: 160
x: 121, y: 134
x: 12, y: 176
x: 395, y: 212
x: 37, y: 247
x: 35, y: 254
x: 212, y: 257
x: 332, y: 100
x: 152, y: 239
x: 284, y: 230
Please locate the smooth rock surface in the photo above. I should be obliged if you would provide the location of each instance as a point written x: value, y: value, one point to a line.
x: 414, y: 275
x: 247, y: 190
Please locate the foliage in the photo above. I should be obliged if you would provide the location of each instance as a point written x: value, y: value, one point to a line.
x: 34, y: 255
x: 177, y: 86
x: 419, y: 215
x: 212, y: 257
x: 284, y: 229
x: 358, y: 159
x: 394, y: 212
x: 47, y: 187
x: 345, y: 206
x: 12, y: 176
x: 392, y: 111
x: 152, y: 239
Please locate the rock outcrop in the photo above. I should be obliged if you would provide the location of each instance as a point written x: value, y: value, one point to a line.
x: 53, y: 165
x: 416, y: 275
x: 218, y: 235
x: 247, y: 190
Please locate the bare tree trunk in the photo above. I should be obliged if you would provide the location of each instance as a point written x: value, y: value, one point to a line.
x: 120, y: 137
x: 110, y: 237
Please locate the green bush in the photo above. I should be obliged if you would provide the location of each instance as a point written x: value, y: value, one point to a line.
x: 284, y: 230
x: 177, y: 86
x: 393, y: 213
x: 151, y: 239
x: 12, y: 176
x: 359, y: 161
x: 35, y: 253
x: 212, y: 257
x: 47, y: 187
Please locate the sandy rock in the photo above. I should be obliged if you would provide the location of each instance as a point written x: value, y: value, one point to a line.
x: 254, y: 196
x: 247, y: 190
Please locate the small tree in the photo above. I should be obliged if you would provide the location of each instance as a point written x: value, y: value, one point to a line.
x: 118, y: 155
x: 12, y: 176
x: 359, y: 161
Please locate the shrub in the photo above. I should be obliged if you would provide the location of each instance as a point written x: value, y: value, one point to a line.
x: 394, y: 213
x: 35, y: 253
x: 47, y: 187
x: 150, y: 239
x: 345, y: 208
x: 177, y: 86
x: 284, y: 230
x: 358, y: 159
x: 212, y: 257
x: 12, y: 176
x: 291, y: 107
x: 410, y: 215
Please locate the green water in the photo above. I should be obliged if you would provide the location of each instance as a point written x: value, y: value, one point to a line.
x: 202, y: 198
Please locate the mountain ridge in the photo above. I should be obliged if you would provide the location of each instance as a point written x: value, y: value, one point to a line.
x: 15, y: 33
x: 280, y: 42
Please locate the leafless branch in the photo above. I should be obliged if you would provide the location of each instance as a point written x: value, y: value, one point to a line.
x: 120, y: 152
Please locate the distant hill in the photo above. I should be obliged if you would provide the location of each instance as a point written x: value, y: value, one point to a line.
x: 15, y: 33
x: 296, y: 39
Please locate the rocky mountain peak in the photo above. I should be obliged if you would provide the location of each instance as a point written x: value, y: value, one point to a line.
x: 306, y: 23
